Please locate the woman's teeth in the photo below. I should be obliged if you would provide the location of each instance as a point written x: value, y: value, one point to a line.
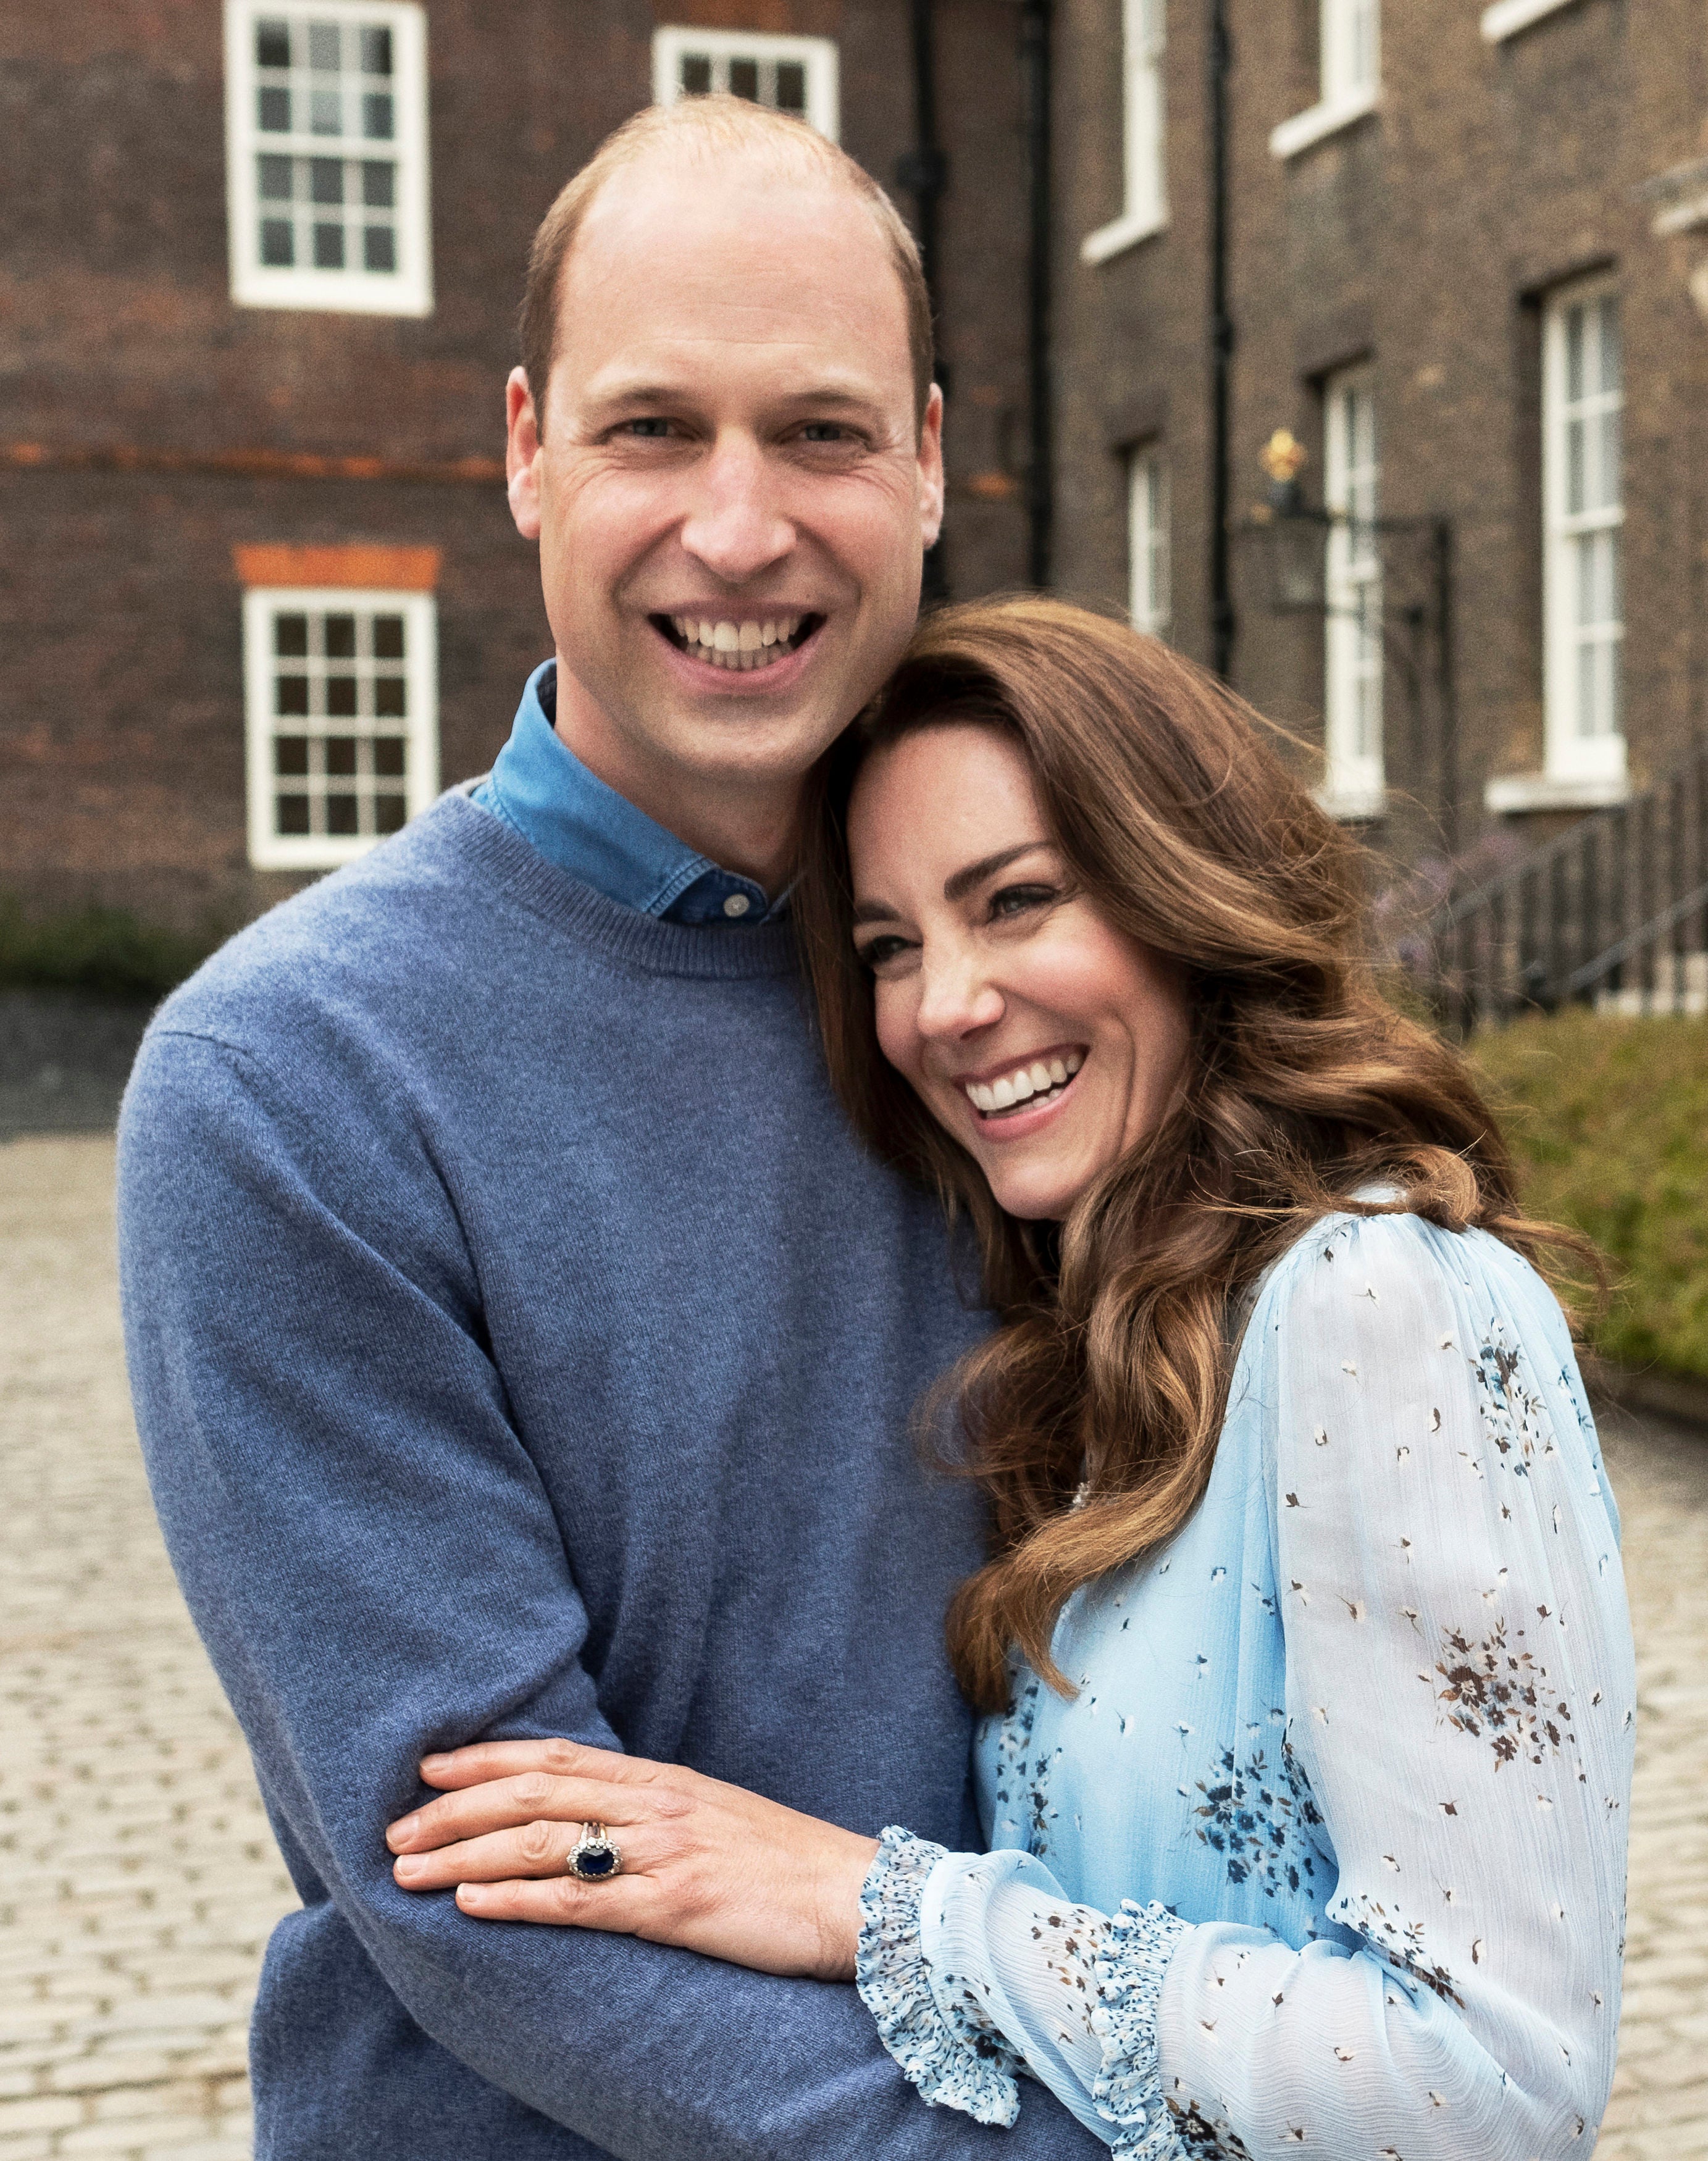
x: 739, y: 645
x: 1040, y: 1081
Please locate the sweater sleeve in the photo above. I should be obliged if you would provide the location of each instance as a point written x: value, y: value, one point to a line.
x: 377, y: 1570
x: 1460, y: 1701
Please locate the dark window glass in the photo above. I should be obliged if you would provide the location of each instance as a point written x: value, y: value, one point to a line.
x: 379, y: 247
x: 388, y: 697
x: 275, y: 111
x: 291, y: 754
x: 292, y: 814
x: 275, y: 179
x: 791, y: 86
x: 271, y: 44
x: 341, y: 813
x: 341, y: 638
x: 696, y: 75
x: 341, y: 697
x: 329, y: 248
x: 388, y: 757
x: 744, y: 80
x: 323, y: 48
x: 290, y: 635
x: 376, y: 52
x: 293, y: 694
x: 387, y: 814
x: 325, y: 179
x: 388, y: 638
x: 278, y: 248
x: 340, y: 756
x: 379, y: 184
x: 377, y: 115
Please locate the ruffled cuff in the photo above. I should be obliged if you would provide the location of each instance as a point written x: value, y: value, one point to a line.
x: 955, y: 2056
x: 1128, y: 2091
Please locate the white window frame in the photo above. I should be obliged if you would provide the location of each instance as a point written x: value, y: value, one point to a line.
x: 1354, y: 656
x: 1144, y: 39
x: 1349, y: 75
x: 272, y: 850
x: 408, y: 289
x: 817, y: 56
x: 1570, y: 754
x: 1150, y: 600
x: 1507, y: 18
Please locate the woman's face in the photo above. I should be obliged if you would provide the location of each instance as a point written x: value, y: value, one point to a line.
x: 1043, y: 1039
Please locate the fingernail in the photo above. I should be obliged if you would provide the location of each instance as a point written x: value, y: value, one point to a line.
x: 402, y: 1832
x: 412, y: 1864
x: 434, y: 1762
x: 471, y: 1894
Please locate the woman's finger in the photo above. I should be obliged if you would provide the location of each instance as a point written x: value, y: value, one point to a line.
x: 626, y: 1905
x: 484, y: 1760
x: 533, y: 1850
x: 507, y: 1801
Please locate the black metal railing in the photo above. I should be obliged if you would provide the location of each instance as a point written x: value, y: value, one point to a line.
x: 1612, y: 912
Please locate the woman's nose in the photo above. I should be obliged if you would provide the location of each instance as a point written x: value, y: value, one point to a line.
x: 956, y: 999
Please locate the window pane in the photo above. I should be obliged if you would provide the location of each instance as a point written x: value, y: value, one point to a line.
x: 292, y: 814
x: 1574, y: 467
x: 388, y: 697
x: 696, y: 74
x: 291, y: 754
x: 379, y: 184
x: 388, y: 757
x: 341, y: 638
x: 1607, y: 433
x: 379, y: 250
x: 791, y: 86
x: 274, y: 114
x: 377, y: 115
x: 326, y: 180
x: 275, y: 179
x: 1608, y: 314
x: 341, y: 815
x: 1574, y: 354
x: 326, y: 112
x: 278, y: 249
x: 388, y: 638
x: 329, y: 248
x: 389, y: 814
x: 340, y: 756
x: 271, y: 44
x: 744, y: 80
x: 341, y: 697
x: 292, y: 694
x: 377, y: 52
x: 324, y: 56
x: 290, y: 635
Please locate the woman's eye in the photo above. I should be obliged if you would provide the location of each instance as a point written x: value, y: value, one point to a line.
x: 876, y: 952
x: 1021, y: 900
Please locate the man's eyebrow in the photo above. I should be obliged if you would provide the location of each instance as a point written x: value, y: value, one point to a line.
x: 963, y: 882
x: 844, y: 397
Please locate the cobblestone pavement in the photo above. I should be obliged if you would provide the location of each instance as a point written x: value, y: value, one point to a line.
x: 139, y: 1880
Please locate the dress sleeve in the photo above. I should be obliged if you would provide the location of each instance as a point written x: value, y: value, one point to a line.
x: 1459, y: 1698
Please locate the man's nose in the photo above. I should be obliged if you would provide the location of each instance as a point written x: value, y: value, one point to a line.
x: 957, y: 996
x: 736, y: 527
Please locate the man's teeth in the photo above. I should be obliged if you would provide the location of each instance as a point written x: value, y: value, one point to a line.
x: 1044, y: 1076
x: 739, y: 645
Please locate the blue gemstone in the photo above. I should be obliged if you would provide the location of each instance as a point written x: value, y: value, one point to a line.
x: 596, y: 1861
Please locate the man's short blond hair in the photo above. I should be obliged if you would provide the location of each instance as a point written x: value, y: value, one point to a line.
x: 705, y: 128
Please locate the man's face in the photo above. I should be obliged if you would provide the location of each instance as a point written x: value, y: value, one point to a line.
x: 731, y: 496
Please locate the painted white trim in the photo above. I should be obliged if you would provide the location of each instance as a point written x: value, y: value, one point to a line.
x: 1569, y: 755
x: 1682, y: 217
x: 275, y: 851
x: 408, y: 289
x: 1507, y: 18
x: 1121, y: 233
x: 1318, y: 121
x: 818, y: 56
x: 1351, y: 806
x: 1354, y: 653
x: 1149, y: 542
x: 1540, y: 791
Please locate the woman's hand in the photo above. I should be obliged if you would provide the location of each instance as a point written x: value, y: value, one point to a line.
x: 710, y: 1866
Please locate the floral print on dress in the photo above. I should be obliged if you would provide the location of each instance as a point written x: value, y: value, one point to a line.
x: 1023, y: 1791
x: 1259, y: 1817
x: 1499, y: 1692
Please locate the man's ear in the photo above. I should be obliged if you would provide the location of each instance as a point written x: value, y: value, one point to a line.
x: 522, y: 454
x: 931, y: 469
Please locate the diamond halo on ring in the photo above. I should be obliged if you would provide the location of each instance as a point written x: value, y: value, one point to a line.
x: 594, y: 1857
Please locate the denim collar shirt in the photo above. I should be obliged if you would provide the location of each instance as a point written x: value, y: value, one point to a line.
x: 542, y: 790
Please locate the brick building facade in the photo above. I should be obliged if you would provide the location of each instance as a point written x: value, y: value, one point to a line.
x: 261, y: 264
x: 1465, y: 250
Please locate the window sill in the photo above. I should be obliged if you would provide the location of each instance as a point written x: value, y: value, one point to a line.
x: 1353, y: 806
x: 1320, y: 121
x: 1542, y: 791
x: 330, y: 292
x: 1507, y: 18
x: 1125, y: 233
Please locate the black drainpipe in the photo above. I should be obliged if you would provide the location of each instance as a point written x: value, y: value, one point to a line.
x: 1223, y: 621
x: 924, y: 172
x: 1040, y: 494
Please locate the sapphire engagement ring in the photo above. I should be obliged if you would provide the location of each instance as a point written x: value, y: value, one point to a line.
x: 594, y: 1855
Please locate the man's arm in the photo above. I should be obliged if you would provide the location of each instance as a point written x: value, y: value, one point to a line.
x: 377, y: 1569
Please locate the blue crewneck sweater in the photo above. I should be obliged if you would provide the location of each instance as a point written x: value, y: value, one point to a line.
x: 521, y: 1344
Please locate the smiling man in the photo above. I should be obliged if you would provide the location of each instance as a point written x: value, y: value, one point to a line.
x: 521, y: 1344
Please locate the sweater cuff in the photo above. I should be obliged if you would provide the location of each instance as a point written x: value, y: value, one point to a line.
x: 1128, y: 2091
x: 954, y: 2055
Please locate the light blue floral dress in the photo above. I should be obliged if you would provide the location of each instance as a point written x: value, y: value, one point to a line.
x: 1327, y: 1854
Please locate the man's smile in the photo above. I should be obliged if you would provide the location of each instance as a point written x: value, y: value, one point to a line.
x: 740, y: 644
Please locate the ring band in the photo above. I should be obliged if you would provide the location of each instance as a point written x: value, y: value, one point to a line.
x: 594, y: 1857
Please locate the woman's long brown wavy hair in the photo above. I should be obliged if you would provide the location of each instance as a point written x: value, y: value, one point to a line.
x: 1183, y: 828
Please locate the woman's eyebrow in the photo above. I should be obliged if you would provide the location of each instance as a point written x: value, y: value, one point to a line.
x: 874, y: 911
x: 963, y: 882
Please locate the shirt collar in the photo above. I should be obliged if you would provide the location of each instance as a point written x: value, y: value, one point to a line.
x: 539, y: 787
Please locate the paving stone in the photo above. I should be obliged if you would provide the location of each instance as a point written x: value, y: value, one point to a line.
x: 141, y: 1877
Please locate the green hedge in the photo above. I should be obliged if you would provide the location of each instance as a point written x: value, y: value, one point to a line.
x: 1609, y: 1119
x: 105, y: 951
